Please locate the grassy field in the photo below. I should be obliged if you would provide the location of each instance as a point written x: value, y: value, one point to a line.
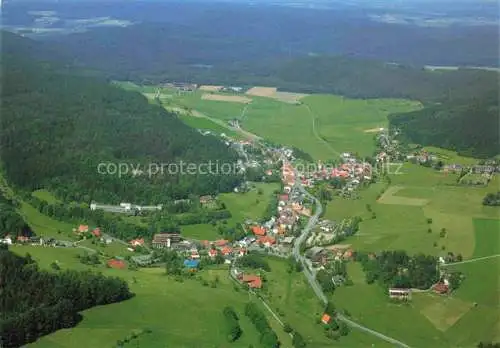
x: 291, y: 296
x: 348, y: 124
x: 249, y: 205
x: 455, y: 320
x: 401, y: 223
x: 183, y: 314
x: 345, y: 124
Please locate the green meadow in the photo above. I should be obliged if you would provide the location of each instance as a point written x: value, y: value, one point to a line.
x: 179, y: 314
x: 323, y: 126
x: 466, y: 317
x: 414, y: 196
x: 249, y: 205
x: 291, y: 296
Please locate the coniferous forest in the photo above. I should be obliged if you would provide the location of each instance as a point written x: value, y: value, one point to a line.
x: 34, y: 303
x: 71, y: 124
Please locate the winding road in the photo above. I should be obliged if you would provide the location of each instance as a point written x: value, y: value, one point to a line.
x: 309, y: 274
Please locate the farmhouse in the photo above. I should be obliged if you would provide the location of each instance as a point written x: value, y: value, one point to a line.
x: 118, y: 264
x: 325, y: 319
x: 137, y: 242
x: 253, y: 281
x: 440, y: 288
x: 400, y: 294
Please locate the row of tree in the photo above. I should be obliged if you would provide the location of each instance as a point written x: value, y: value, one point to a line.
x: 35, y: 303
x: 10, y: 221
x: 397, y: 269
x: 492, y: 199
x: 268, y: 337
x: 255, y: 261
x: 233, y: 328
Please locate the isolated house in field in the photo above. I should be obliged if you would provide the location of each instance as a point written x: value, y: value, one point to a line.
x: 325, y: 319
x: 117, y: 264
x: 253, y: 281
x: 440, y: 288
x: 400, y: 294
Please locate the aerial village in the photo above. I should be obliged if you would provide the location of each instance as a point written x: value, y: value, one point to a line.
x: 275, y: 236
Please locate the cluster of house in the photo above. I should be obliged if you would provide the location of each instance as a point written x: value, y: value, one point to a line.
x: 34, y: 240
x: 181, y: 86
x: 352, y: 170
x: 320, y: 256
x: 325, y: 232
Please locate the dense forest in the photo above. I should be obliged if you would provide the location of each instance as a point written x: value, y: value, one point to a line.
x: 34, y: 303
x: 472, y: 128
x: 58, y: 127
x: 11, y: 223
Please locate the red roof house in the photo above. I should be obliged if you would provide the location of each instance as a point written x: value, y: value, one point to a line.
x: 258, y: 231
x: 212, y: 253
x: 325, y: 319
x: 83, y: 228
x: 226, y: 251
x: 440, y: 288
x: 266, y: 240
x: 96, y: 232
x: 137, y: 242
x: 253, y: 281
x: 118, y: 264
x: 221, y: 242
x: 284, y: 198
x: 22, y: 239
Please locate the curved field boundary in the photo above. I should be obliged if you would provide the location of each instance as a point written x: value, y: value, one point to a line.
x: 389, y: 198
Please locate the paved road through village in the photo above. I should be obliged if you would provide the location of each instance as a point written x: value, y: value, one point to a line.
x: 309, y: 274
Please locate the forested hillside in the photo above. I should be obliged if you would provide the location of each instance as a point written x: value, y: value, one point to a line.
x: 233, y: 54
x: 34, y: 303
x: 58, y: 127
x: 11, y: 222
x: 471, y: 128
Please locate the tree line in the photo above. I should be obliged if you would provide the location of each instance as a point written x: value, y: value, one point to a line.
x: 11, y: 222
x: 268, y: 337
x: 48, y: 301
x: 397, y: 269
x: 233, y: 328
x: 492, y: 199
